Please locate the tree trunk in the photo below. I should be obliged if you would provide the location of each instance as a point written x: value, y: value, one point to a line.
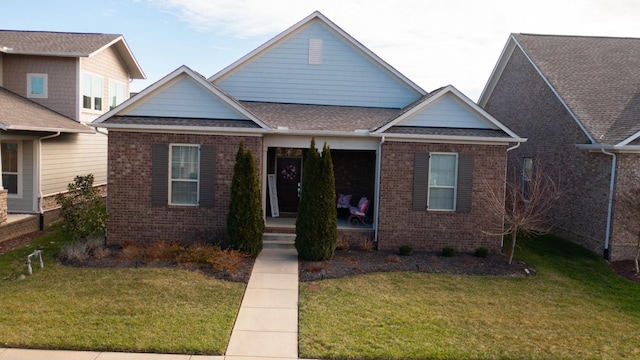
x: 513, y: 245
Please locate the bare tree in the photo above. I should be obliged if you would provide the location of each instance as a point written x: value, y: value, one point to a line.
x: 526, y: 205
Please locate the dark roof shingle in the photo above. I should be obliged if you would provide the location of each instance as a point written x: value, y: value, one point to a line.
x: 597, y: 77
x: 53, y: 43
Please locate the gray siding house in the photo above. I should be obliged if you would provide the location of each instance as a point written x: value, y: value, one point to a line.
x: 577, y: 100
x: 51, y: 85
x: 424, y: 160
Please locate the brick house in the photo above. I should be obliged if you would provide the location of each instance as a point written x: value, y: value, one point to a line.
x: 577, y: 100
x: 423, y: 160
x: 51, y: 85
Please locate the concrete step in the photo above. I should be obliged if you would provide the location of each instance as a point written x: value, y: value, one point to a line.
x: 278, y: 241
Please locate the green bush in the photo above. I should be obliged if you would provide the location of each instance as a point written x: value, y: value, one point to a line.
x: 84, y: 212
x: 406, y: 250
x: 316, y: 225
x: 482, y: 252
x: 448, y: 251
x: 245, y: 224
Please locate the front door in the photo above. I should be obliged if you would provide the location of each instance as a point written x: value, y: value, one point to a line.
x: 288, y: 172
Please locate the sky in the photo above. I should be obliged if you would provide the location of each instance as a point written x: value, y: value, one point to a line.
x: 432, y: 42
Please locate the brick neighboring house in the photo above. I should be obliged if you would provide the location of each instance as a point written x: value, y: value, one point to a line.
x: 424, y: 160
x: 51, y: 85
x: 577, y: 100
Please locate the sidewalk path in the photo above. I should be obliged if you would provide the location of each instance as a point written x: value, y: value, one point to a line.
x: 267, y: 324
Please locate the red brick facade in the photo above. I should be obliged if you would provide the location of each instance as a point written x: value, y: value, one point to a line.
x: 432, y: 230
x: 524, y: 102
x: 134, y: 218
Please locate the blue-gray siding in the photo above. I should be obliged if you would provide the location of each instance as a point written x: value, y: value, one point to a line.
x: 346, y: 76
x: 185, y: 98
x: 448, y: 112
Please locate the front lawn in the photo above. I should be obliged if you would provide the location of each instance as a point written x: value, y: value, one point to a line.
x: 574, y: 308
x: 141, y: 310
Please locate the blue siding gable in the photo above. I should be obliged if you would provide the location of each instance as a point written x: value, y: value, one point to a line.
x: 345, y: 77
x: 447, y: 112
x: 185, y: 98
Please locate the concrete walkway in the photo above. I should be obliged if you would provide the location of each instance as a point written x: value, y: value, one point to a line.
x: 266, y: 327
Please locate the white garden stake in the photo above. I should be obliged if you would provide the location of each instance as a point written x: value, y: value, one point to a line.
x: 37, y: 252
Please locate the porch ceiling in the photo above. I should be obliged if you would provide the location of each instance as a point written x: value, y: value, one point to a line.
x: 320, y: 117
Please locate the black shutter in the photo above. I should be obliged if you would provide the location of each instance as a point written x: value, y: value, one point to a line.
x: 160, y: 174
x: 207, y: 175
x: 420, y: 180
x: 465, y: 182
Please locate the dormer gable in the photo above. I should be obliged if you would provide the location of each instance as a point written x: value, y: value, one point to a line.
x: 316, y: 62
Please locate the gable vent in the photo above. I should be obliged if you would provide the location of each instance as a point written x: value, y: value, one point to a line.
x: 315, y: 51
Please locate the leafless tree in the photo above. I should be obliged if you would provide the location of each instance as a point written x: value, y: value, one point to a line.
x: 526, y: 205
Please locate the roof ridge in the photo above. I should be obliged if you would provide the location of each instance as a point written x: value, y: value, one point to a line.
x: 580, y: 36
x: 58, y: 32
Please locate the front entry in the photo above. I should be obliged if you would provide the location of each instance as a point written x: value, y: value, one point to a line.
x: 288, y: 175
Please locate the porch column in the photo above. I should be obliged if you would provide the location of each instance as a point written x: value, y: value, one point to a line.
x: 3, y: 194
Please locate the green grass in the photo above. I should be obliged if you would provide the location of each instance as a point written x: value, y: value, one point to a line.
x: 141, y: 310
x: 574, y: 308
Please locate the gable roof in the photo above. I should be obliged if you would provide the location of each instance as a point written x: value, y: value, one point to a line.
x: 316, y: 16
x: 117, y: 117
x: 19, y: 113
x: 597, y: 79
x: 65, y: 44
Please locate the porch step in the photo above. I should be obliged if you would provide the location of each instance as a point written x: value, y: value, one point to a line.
x: 278, y: 241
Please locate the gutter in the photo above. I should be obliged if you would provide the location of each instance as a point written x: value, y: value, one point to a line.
x: 40, y: 208
x: 376, y: 216
x: 612, y: 184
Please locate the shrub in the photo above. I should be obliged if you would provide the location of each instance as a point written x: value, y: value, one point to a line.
x: 316, y: 225
x: 245, y: 224
x: 199, y: 254
x: 84, y: 213
x: 448, y: 251
x: 482, y: 252
x: 406, y: 250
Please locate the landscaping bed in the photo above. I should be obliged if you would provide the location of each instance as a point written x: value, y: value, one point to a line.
x: 355, y: 262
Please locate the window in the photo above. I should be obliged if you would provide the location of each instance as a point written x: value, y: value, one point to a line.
x: 91, y: 92
x: 184, y: 174
x: 443, y: 182
x: 37, y: 85
x: 443, y: 170
x: 527, y: 174
x: 10, y: 159
x: 116, y: 93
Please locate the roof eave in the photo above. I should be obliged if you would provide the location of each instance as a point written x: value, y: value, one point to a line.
x: 487, y: 140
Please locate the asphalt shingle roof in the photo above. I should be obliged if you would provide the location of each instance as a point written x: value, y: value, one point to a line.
x: 597, y: 77
x: 320, y: 117
x: 19, y: 113
x: 53, y: 43
x: 175, y: 121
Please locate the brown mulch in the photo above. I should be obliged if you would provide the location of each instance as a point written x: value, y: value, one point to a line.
x: 354, y: 262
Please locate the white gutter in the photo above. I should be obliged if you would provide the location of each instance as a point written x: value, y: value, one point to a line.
x: 451, y: 138
x: 40, y: 208
x: 612, y: 183
x: 376, y: 216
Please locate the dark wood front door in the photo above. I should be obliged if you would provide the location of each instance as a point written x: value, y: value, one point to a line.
x: 288, y: 175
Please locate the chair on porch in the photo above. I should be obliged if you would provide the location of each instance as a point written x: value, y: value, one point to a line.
x: 359, y: 214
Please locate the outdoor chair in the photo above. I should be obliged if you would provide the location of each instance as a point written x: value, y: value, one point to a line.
x: 358, y: 215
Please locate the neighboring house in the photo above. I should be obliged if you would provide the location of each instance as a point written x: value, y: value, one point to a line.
x: 577, y: 100
x: 424, y: 160
x: 51, y: 85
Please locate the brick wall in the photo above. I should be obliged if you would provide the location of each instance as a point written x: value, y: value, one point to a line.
x: 427, y: 230
x: 523, y: 102
x: 132, y: 217
x: 625, y: 229
x: 3, y: 206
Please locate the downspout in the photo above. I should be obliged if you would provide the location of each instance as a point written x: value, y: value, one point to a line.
x: 612, y: 184
x: 504, y: 194
x: 106, y: 200
x: 40, y: 208
x: 377, y: 195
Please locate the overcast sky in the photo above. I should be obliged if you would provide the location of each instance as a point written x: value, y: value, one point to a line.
x: 434, y: 43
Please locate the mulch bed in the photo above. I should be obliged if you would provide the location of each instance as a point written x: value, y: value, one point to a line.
x: 354, y: 262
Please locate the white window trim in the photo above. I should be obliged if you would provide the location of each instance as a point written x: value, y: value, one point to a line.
x: 105, y: 100
x: 109, y: 95
x: 454, y: 187
x: 170, y: 180
x: 17, y: 195
x: 45, y: 86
